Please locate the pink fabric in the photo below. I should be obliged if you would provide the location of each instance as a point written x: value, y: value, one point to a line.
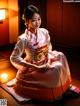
x: 39, y: 52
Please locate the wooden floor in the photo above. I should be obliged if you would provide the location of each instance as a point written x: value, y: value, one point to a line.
x: 74, y: 63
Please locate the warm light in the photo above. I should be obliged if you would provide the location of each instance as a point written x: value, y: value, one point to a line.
x: 2, y: 14
x: 4, y: 77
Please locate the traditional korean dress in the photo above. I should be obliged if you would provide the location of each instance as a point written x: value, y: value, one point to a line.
x: 45, y: 84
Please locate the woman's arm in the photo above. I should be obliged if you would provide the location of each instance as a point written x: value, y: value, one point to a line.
x: 16, y: 57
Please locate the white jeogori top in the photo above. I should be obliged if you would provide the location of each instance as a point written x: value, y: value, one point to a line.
x: 36, y: 48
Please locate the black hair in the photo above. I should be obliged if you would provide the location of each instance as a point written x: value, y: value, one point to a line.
x: 29, y: 12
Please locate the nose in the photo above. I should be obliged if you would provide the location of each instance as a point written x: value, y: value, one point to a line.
x: 37, y: 22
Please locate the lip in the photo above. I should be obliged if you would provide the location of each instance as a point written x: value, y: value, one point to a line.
x: 37, y: 26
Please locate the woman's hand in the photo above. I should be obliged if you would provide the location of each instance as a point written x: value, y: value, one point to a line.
x: 23, y: 69
x: 42, y: 68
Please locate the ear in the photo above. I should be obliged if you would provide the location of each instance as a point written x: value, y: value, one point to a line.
x: 26, y: 23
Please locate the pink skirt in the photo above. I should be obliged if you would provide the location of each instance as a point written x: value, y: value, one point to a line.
x: 46, y: 85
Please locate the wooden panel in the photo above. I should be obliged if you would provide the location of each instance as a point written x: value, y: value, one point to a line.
x: 54, y: 19
x: 9, y: 27
x: 4, y: 26
x: 63, y: 21
x: 71, y: 24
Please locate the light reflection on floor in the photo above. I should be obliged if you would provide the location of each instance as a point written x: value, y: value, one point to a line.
x: 6, y: 67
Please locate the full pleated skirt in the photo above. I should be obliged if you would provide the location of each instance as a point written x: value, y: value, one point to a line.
x: 45, y: 85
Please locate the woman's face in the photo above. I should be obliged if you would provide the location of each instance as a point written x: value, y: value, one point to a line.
x: 35, y: 22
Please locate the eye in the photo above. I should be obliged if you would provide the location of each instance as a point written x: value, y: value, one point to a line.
x: 33, y: 20
x: 39, y: 19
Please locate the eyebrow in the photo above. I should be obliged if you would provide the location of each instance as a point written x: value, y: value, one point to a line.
x: 35, y: 18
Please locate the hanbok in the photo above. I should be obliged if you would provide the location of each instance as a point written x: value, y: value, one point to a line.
x: 47, y: 84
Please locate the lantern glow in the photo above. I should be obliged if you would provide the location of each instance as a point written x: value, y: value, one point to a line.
x: 2, y: 14
x: 4, y: 77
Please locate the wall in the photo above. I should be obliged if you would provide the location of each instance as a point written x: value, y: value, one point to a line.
x: 4, y: 32
x: 63, y: 21
x: 71, y: 24
x: 9, y: 28
x: 13, y: 20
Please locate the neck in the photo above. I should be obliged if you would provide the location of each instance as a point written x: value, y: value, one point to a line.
x: 33, y: 30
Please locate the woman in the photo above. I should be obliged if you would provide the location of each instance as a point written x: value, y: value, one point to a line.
x: 42, y: 74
